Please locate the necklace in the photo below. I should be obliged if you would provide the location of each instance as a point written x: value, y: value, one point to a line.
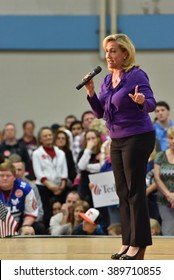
x: 116, y: 78
x: 115, y: 81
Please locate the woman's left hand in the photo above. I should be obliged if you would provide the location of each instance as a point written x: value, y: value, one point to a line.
x: 137, y: 97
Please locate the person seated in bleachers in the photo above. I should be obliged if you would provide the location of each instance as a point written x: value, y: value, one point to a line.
x: 90, y: 225
x: 19, y: 165
x: 19, y: 198
x: 61, y: 222
x: 55, y: 206
x: 155, y: 227
x: 114, y: 229
x: 12, y: 146
x: 164, y: 178
x: 80, y: 206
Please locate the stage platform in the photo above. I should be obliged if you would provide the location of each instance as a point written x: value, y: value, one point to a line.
x: 77, y: 248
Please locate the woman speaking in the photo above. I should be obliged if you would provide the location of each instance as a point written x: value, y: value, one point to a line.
x: 125, y: 101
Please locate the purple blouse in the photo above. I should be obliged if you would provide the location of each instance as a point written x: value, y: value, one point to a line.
x: 123, y: 116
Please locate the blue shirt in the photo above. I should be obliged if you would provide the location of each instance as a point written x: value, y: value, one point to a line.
x: 161, y: 134
x: 123, y: 116
x: 21, y: 200
x: 78, y: 230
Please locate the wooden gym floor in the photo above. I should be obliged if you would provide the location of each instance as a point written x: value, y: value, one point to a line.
x: 77, y: 248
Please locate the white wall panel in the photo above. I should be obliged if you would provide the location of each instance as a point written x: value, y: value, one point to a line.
x: 42, y: 85
x: 85, y: 7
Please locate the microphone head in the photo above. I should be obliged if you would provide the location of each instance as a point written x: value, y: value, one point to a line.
x: 97, y: 70
x: 94, y: 72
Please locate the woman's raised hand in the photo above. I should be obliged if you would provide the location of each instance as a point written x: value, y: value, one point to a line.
x: 137, y: 97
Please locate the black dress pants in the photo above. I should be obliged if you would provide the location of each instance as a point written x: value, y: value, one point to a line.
x: 129, y: 158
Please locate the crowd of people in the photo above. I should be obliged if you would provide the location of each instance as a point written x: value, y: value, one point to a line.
x: 45, y: 164
x: 46, y: 183
x: 49, y: 173
x: 44, y: 180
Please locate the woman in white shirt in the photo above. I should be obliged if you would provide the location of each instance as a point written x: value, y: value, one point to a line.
x: 50, y: 169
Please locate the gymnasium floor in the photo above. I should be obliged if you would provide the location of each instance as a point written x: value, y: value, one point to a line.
x: 77, y: 248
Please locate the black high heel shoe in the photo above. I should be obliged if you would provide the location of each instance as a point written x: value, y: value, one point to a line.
x: 138, y: 256
x: 118, y: 256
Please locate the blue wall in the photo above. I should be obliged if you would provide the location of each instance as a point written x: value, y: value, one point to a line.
x: 148, y: 32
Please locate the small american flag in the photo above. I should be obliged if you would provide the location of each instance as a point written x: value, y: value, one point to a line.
x: 8, y: 224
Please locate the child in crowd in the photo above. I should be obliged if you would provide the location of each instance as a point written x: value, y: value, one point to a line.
x: 55, y: 206
x: 90, y: 224
x: 114, y: 229
x: 81, y: 206
x: 155, y: 227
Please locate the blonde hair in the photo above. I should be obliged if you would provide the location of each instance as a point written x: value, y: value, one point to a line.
x: 115, y: 227
x: 126, y: 45
x: 8, y: 166
x: 99, y: 124
x: 155, y: 225
x: 83, y: 204
x: 170, y: 131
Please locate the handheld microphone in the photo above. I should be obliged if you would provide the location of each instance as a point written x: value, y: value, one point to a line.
x: 96, y: 71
